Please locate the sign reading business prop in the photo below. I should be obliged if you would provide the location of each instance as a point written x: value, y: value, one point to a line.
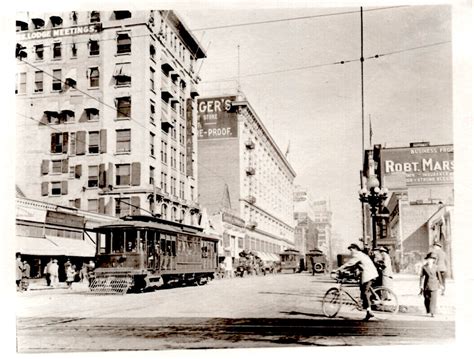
x: 216, y: 118
x: 421, y: 165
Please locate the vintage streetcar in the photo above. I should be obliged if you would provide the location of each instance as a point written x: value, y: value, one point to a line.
x: 139, y: 252
x: 290, y: 260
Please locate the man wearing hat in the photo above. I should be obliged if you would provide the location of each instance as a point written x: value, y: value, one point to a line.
x: 368, y: 274
x: 54, y: 273
x: 384, y: 263
x: 429, y: 283
x: 441, y: 263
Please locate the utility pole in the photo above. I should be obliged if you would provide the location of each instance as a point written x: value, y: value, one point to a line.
x: 364, y: 237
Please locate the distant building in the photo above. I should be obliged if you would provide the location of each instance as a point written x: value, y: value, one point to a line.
x: 106, y: 118
x: 238, y: 156
x: 419, y: 178
x: 323, y: 222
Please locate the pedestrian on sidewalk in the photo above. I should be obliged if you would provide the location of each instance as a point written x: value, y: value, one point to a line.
x: 383, y: 263
x: 46, y: 272
x: 19, y: 271
x: 441, y: 263
x: 26, y: 276
x: 54, y: 273
x: 70, y: 275
x: 429, y: 283
x: 368, y: 274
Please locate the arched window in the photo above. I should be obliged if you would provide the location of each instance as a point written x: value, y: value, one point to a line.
x: 174, y: 212
x: 164, y: 211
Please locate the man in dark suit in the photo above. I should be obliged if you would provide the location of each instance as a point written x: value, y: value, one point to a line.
x: 429, y: 283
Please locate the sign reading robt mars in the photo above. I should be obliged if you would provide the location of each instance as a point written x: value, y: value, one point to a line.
x: 216, y: 118
x: 420, y: 165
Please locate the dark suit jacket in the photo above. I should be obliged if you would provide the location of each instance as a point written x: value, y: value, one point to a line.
x: 429, y: 279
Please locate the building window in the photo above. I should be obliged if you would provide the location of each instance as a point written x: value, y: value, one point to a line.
x: 56, y: 188
x: 152, y: 51
x: 66, y: 116
x: 122, y: 207
x: 173, y: 186
x: 164, y: 152
x: 39, y: 81
x: 122, y: 175
x: 57, y: 140
x: 173, y: 157
x: 93, y: 205
x: 56, y: 166
x: 181, y: 134
x: 152, y: 111
x: 57, y: 80
x: 94, y: 16
x: 73, y: 50
x: 152, y: 144
x: 164, y: 211
x: 181, y: 189
x: 181, y: 162
x: 94, y: 142
x: 93, y: 180
x: 173, y: 213
x: 38, y: 23
x: 164, y: 182
x: 74, y: 17
x: 124, y: 105
x: 39, y: 52
x: 72, y: 143
x: 92, y: 114
x: 152, y: 175
x: 152, y: 79
x: 94, y: 48
x: 122, y: 74
x: 94, y: 77
x: 191, y: 192
x: 56, y: 50
x: 124, y: 43
x: 56, y: 21
x: 123, y: 140
x: 72, y: 172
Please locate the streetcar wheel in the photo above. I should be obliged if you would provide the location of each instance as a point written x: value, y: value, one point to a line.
x: 332, y: 302
x: 385, y: 300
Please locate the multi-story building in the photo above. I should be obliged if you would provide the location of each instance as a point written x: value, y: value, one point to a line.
x: 419, y: 179
x: 306, y: 237
x: 323, y: 222
x: 106, y: 112
x: 238, y: 155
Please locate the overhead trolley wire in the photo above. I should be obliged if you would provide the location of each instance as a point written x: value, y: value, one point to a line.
x: 376, y: 56
x: 294, y: 18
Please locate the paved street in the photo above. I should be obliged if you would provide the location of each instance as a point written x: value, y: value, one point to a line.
x: 275, y: 310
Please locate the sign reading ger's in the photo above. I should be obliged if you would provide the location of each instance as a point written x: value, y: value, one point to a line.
x: 216, y: 118
x: 421, y: 165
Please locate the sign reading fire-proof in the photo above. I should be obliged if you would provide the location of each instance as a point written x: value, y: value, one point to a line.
x: 420, y: 165
x: 216, y: 118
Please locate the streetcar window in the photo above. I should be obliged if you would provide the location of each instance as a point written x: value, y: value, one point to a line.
x: 117, y: 241
x: 131, y: 241
x: 104, y: 243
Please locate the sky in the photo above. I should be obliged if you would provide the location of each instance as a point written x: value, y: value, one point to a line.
x: 317, y: 110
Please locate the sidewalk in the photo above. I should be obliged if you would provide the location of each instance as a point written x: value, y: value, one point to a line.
x: 407, y: 288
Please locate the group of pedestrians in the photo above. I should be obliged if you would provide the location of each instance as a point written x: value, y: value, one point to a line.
x: 433, y: 277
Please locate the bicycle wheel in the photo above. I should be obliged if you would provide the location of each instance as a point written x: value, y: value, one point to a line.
x: 332, y: 302
x: 385, y: 300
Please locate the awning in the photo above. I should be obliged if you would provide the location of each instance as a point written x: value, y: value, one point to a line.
x: 71, y: 74
x: 55, y: 246
x: 37, y: 246
x: 122, y: 70
x: 74, y: 247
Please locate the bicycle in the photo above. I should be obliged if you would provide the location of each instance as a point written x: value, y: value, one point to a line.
x: 383, y: 300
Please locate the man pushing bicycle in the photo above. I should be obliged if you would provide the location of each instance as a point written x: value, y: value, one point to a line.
x: 368, y: 275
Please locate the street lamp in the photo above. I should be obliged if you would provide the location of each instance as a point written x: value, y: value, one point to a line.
x: 374, y: 196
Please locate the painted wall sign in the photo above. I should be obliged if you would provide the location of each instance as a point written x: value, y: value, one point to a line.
x: 59, y: 32
x: 421, y: 165
x: 64, y: 219
x: 216, y: 118
x: 230, y: 218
